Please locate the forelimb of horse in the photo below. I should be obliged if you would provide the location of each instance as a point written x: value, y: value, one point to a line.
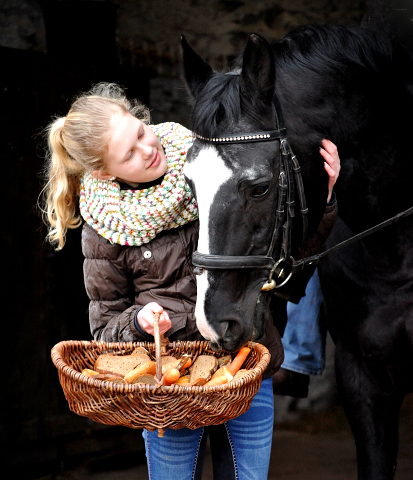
x: 372, y: 414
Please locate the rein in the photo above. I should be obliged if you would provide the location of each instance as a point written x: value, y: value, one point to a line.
x: 298, y: 265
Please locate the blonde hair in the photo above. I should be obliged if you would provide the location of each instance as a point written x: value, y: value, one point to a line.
x: 76, y: 145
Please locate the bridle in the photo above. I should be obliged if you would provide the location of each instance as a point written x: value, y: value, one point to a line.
x: 282, y: 269
x: 290, y: 170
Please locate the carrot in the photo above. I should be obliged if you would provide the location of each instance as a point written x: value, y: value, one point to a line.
x: 180, y: 364
x: 184, y: 362
x: 167, y: 367
x: 225, y: 377
x: 168, y: 362
x: 171, y: 376
x: 187, y: 364
x: 238, y: 360
x: 220, y: 380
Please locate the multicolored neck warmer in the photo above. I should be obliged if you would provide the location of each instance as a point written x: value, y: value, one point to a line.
x: 135, y: 217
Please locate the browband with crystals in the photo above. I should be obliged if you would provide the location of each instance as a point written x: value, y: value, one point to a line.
x: 252, y: 137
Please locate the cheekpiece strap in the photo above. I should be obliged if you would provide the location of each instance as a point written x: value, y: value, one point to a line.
x: 251, y: 137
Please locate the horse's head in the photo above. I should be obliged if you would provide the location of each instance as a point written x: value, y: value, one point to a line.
x: 236, y: 182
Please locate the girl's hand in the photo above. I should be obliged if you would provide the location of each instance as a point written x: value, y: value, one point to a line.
x: 331, y: 164
x: 145, y: 318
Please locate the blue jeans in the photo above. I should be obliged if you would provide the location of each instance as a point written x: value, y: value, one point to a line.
x: 304, y: 338
x: 240, y: 448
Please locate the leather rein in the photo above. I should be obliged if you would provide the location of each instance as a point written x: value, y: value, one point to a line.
x: 290, y: 178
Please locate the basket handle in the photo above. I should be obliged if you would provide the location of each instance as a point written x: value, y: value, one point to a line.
x: 160, y: 347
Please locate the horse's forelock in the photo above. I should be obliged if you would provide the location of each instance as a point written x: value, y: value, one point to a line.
x: 218, y: 100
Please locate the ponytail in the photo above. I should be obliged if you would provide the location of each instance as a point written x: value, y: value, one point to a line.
x: 62, y: 188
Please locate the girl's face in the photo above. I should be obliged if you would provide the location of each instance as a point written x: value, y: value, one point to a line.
x: 134, y: 153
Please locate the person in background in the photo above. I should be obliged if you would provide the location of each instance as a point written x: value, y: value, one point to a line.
x: 304, y: 336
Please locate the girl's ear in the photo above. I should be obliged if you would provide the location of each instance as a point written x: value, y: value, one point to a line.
x: 102, y: 175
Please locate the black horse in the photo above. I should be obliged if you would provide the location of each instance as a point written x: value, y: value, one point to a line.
x: 355, y: 87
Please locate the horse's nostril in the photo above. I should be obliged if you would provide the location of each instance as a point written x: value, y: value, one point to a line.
x: 231, y: 325
x: 215, y: 346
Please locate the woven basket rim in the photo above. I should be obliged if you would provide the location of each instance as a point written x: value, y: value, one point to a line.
x: 64, y: 368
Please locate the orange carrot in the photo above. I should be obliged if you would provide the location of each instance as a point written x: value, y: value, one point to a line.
x: 238, y: 360
x: 187, y: 364
x: 171, y: 376
x: 221, y: 380
x: 225, y: 377
x: 184, y: 362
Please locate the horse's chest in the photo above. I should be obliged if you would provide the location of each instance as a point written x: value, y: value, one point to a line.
x: 386, y: 333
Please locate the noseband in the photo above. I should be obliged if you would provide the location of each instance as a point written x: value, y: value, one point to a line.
x: 290, y: 170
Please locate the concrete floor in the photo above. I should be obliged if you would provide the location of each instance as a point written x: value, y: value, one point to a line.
x: 318, y: 446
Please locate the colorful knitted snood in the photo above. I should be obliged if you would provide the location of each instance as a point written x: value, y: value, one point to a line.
x: 135, y: 217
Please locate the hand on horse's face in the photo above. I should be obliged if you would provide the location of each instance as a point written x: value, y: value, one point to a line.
x: 331, y: 164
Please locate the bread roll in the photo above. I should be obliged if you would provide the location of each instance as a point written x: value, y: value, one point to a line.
x: 145, y: 368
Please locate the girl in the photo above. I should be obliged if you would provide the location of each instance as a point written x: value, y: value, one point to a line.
x: 140, y: 229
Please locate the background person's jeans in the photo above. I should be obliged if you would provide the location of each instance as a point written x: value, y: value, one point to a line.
x: 304, y: 338
x: 240, y: 448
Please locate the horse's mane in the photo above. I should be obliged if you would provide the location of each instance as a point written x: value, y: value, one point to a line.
x: 333, y: 47
x: 324, y: 49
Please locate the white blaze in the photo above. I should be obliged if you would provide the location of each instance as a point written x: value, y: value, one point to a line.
x: 208, y: 172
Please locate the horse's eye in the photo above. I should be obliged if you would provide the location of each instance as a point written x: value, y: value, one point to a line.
x: 260, y: 190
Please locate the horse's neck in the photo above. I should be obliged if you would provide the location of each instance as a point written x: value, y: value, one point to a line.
x: 367, y: 113
x: 377, y: 164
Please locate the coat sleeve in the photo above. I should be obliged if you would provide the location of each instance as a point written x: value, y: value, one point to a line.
x: 313, y: 245
x: 110, y: 290
x: 295, y: 288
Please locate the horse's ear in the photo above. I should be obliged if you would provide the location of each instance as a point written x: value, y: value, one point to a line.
x: 196, y: 71
x: 258, y: 69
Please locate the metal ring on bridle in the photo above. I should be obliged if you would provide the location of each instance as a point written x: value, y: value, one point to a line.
x: 270, y: 284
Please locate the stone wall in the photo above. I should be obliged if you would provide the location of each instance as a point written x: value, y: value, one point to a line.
x: 148, y: 33
x: 217, y: 29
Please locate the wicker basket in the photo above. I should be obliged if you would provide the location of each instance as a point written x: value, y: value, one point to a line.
x: 149, y: 406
